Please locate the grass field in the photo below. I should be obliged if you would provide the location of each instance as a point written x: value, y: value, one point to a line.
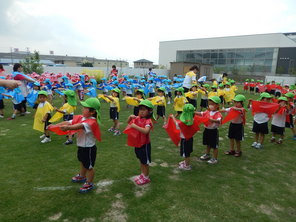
x: 35, y: 183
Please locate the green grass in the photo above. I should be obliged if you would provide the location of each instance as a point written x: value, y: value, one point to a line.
x: 259, y: 186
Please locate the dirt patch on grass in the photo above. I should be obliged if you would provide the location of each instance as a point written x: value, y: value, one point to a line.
x: 174, y: 177
x: 55, y: 216
x: 152, y: 164
x: 164, y: 164
x: 103, y: 186
x: 91, y: 219
x: 116, y: 212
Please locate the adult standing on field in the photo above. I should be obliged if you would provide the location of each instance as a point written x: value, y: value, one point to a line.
x: 190, y: 78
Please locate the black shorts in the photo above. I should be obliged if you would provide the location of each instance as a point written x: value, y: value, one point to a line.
x: 170, y: 94
x: 211, y: 138
x: 272, y: 91
x: 179, y: 112
x: 257, y: 90
x: 277, y: 130
x: 67, y: 117
x: 186, y: 147
x: 222, y: 99
x: 161, y: 111
x: 113, y: 113
x: 87, y: 156
x: 192, y: 101
x: 186, y: 89
x: 277, y: 94
x: 290, y: 124
x: 18, y: 107
x: 1, y: 104
x: 136, y: 110
x: 143, y: 153
x: 252, y: 89
x: 129, y: 95
x: 47, y: 123
x: 151, y: 94
x: 236, y: 131
x: 260, y: 128
x: 204, y: 103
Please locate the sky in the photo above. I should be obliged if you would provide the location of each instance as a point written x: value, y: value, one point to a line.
x: 132, y: 29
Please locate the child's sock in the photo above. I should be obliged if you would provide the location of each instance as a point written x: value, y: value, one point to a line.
x: 13, y: 116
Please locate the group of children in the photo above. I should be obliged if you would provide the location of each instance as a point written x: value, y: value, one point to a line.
x: 140, y: 123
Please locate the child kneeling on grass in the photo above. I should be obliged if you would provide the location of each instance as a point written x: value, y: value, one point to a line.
x: 143, y: 125
x: 88, y: 132
x: 211, y: 134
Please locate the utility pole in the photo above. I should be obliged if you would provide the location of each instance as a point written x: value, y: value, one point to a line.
x: 11, y: 56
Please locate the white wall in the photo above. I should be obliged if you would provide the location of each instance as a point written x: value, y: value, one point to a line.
x: 168, y: 49
x: 128, y: 71
x: 281, y: 79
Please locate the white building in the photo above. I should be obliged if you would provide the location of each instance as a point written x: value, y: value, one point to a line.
x: 265, y: 54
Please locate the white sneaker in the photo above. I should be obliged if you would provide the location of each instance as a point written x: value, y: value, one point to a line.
x: 205, y: 157
x: 184, y: 167
x: 213, y: 161
x: 27, y: 112
x: 42, y: 136
x: 1, y: 116
x: 254, y: 144
x: 46, y: 140
x: 259, y: 146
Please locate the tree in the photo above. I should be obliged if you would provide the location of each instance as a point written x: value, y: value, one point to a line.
x: 87, y: 64
x: 32, y: 64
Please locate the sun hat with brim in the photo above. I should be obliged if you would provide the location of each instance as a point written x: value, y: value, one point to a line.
x: 247, y: 80
x: 265, y: 95
x: 228, y: 84
x: 187, y: 114
x: 42, y: 92
x: 146, y: 103
x: 289, y: 95
x: 282, y: 98
x: 36, y: 83
x: 221, y: 85
x: 194, y: 85
x: 213, y: 86
x: 116, y: 90
x: 292, y: 87
x: 252, y: 80
x: 95, y: 104
x: 239, y: 98
x: 215, y: 99
x: 71, y: 97
x: 161, y: 89
x: 141, y: 92
x: 206, y: 85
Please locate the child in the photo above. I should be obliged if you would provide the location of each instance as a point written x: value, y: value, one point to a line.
x: 229, y: 93
x: 88, y: 132
x: 143, y: 125
x: 66, y: 111
x: 186, y: 146
x: 204, y: 96
x: 278, y: 121
x: 161, y: 103
x: 191, y: 96
x: 17, y: 99
x: 114, y: 111
x: 221, y: 93
x: 42, y: 116
x: 2, y: 90
x: 291, y: 108
x: 236, y: 127
x: 211, y: 134
x: 213, y: 92
x: 33, y: 95
x: 179, y: 101
x: 260, y: 125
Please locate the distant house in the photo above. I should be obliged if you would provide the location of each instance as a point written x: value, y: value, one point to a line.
x: 143, y: 63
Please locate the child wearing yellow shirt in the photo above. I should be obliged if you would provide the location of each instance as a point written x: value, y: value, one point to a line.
x: 221, y: 93
x: 229, y: 93
x: 213, y: 92
x: 159, y: 100
x: 204, y: 96
x: 179, y: 101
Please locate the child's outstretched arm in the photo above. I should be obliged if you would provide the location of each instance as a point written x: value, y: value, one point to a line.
x: 72, y: 127
x: 58, y: 110
x: 109, y: 97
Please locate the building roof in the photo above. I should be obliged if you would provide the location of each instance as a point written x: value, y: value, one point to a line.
x: 143, y: 61
x: 9, y: 61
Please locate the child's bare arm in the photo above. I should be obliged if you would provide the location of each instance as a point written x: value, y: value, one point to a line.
x: 198, y: 113
x: 130, y: 118
x: 72, y: 127
x: 45, y: 117
x: 145, y: 130
x: 6, y: 95
x: 109, y: 97
x: 58, y: 110
x: 63, y: 123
